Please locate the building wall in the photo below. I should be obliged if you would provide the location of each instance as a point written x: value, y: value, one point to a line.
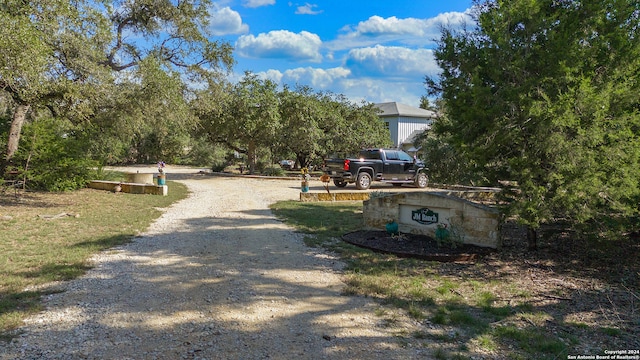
x: 401, y: 128
x: 406, y: 126
x: 393, y: 129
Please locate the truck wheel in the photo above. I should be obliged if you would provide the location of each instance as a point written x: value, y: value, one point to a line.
x: 422, y: 180
x: 364, y: 181
x: 339, y: 183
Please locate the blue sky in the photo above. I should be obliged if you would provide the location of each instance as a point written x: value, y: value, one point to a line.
x: 372, y: 50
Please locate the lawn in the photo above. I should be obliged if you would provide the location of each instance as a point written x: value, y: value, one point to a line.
x: 567, y: 298
x: 49, y: 237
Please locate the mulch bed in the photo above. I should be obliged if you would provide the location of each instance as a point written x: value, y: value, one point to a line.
x: 414, y: 246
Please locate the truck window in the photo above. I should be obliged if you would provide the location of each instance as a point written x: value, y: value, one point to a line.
x: 404, y: 156
x: 392, y: 155
x: 370, y: 154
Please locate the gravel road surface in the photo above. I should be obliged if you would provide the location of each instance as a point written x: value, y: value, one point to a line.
x: 215, y: 277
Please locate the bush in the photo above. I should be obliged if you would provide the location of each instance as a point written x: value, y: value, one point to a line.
x: 52, y: 158
x: 219, y: 165
x: 273, y: 170
x: 446, y: 164
x: 201, y: 153
x: 69, y: 174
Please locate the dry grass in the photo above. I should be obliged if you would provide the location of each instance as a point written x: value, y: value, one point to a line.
x: 36, y: 249
x: 568, y: 298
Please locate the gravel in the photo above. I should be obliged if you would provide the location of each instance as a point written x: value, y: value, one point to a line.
x: 215, y: 277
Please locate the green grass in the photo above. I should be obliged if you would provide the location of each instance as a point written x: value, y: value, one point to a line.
x: 35, y: 251
x: 324, y: 221
x: 611, y: 331
x: 471, y: 306
x: 531, y: 340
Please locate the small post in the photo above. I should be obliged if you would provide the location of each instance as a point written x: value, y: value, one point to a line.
x: 325, y: 181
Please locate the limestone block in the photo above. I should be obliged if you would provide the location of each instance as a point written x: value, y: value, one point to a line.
x: 478, y: 224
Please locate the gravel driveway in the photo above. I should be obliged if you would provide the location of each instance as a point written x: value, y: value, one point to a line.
x: 216, y: 277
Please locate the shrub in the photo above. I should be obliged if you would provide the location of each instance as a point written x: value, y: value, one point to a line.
x: 202, y: 152
x: 273, y: 170
x: 68, y: 174
x: 52, y: 158
x: 219, y: 165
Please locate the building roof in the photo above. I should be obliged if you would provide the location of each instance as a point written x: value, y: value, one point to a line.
x: 396, y: 109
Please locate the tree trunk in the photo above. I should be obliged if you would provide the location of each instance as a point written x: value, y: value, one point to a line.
x: 252, y: 156
x: 302, y: 160
x: 532, y: 239
x: 19, y: 115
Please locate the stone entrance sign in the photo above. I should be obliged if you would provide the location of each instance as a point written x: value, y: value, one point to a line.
x: 423, y: 212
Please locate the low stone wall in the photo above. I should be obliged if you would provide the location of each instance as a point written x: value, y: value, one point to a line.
x: 421, y: 212
x: 131, y: 188
x: 316, y: 196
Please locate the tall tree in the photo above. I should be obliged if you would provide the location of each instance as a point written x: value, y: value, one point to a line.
x: 27, y: 65
x: 147, y: 120
x: 76, y: 49
x: 301, y: 112
x: 425, y: 103
x: 544, y: 94
x: 248, y: 121
x: 349, y: 126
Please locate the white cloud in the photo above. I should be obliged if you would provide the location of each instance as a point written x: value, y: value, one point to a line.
x: 339, y: 80
x: 225, y: 21
x: 376, y: 25
x: 307, y: 9
x: 376, y: 30
x: 391, y: 61
x: 314, y: 77
x: 273, y: 75
x: 382, y: 90
x: 257, y: 3
x: 318, y: 79
x: 281, y: 44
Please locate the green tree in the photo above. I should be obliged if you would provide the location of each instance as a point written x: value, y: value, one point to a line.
x: 425, y: 103
x: 248, y: 120
x: 544, y: 94
x: 349, y: 127
x: 81, y: 55
x: 302, y: 113
x: 29, y: 72
x: 447, y: 165
x: 147, y: 120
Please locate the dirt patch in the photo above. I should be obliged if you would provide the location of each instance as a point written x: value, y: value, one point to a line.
x: 583, y: 291
x: 414, y: 246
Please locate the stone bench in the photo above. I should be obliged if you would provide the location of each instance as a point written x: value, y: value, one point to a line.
x: 131, y: 188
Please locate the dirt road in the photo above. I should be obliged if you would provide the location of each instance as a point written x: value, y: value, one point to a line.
x: 216, y: 277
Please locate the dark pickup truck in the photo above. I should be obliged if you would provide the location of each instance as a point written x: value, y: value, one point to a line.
x: 385, y: 165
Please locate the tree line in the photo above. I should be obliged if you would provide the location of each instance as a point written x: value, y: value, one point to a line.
x: 537, y: 97
x: 89, y: 83
x: 252, y: 116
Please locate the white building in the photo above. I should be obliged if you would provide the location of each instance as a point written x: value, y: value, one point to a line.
x: 405, y: 122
